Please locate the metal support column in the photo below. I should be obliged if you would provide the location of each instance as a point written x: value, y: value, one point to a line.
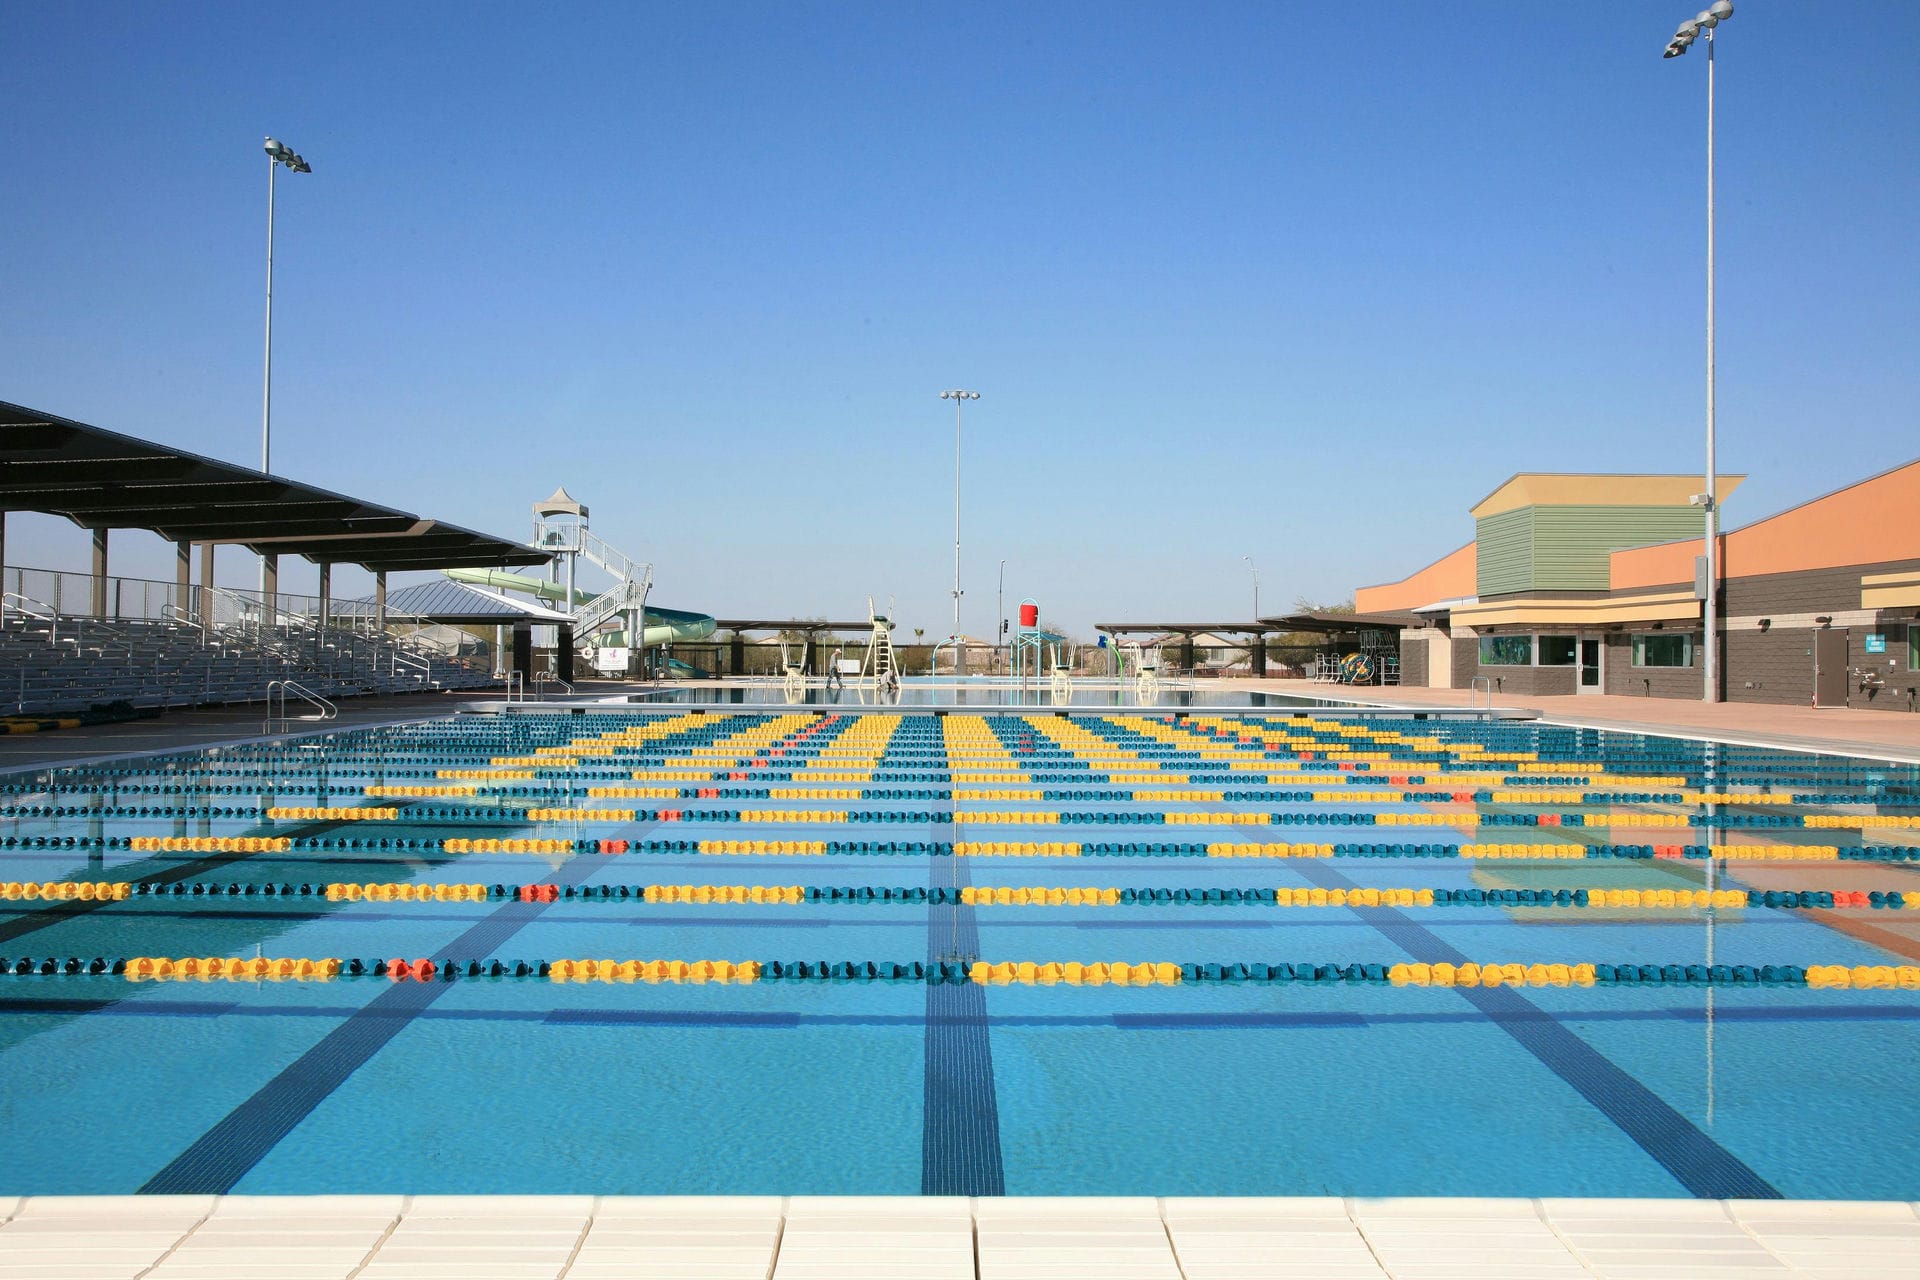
x: 183, y: 576
x: 1260, y: 654
x: 206, y: 586
x: 380, y: 600
x: 737, y: 655
x: 270, y: 589
x: 99, y: 573
x: 326, y: 593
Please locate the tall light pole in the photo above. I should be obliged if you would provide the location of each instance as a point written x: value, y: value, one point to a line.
x: 1703, y: 23
x: 1256, y: 586
x: 278, y: 153
x: 1000, y: 608
x: 959, y: 398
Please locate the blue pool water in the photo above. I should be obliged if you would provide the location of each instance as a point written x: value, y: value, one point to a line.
x: 529, y: 1084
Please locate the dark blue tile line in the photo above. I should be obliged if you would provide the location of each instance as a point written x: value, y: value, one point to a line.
x: 239, y: 1140
x: 960, y: 1130
x: 1705, y: 1168
x: 789, y: 1019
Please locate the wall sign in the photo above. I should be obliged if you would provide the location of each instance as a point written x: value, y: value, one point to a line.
x: 1876, y: 642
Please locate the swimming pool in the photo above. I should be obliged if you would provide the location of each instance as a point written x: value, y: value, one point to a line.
x: 904, y: 952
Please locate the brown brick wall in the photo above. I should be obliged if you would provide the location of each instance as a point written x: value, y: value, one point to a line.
x: 1413, y: 658
x: 1466, y: 660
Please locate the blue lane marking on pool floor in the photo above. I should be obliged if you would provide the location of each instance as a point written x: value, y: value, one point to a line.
x: 960, y: 1135
x: 222, y: 1155
x: 1705, y: 1168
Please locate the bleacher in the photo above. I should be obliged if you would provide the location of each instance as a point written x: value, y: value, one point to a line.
x: 53, y: 663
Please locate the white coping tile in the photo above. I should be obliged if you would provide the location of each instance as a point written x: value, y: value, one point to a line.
x: 1251, y: 1253
x: 249, y: 1269
x: 1684, y: 1271
x: 879, y: 1206
x: 622, y: 1235
x: 1628, y: 1254
x: 1023, y: 1207
x: 9, y: 1205
x: 500, y: 1206
x: 112, y: 1208
x: 1637, y: 1210
x: 1760, y: 1211
x: 1441, y: 1208
x: 82, y: 1228
x: 683, y: 1207
x: 848, y: 1265
x: 1659, y: 1228
x: 1281, y: 1271
x: 305, y: 1207
x: 280, y: 1224
x: 1184, y: 1208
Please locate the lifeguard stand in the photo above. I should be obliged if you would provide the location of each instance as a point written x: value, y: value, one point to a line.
x: 881, y: 669
x: 1036, y: 651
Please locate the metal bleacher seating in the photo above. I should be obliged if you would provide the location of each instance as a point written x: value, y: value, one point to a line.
x: 52, y: 663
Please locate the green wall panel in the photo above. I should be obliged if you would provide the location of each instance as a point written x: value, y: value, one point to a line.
x: 1565, y: 548
x: 1504, y: 556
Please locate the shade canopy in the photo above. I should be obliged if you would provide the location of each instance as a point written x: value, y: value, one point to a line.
x: 101, y: 479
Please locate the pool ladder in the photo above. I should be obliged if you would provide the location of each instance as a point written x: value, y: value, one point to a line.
x: 324, y: 709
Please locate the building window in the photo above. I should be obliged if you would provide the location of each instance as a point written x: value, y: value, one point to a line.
x: 1557, y: 651
x: 1506, y: 651
x: 1913, y: 646
x: 1663, y: 651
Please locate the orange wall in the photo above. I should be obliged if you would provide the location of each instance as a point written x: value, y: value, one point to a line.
x: 1867, y: 523
x: 1449, y: 578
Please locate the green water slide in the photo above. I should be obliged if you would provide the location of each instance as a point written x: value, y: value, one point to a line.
x: 663, y: 626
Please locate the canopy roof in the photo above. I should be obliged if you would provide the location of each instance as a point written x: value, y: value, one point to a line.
x: 1338, y: 623
x: 1187, y: 628
x: 453, y: 603
x: 101, y: 479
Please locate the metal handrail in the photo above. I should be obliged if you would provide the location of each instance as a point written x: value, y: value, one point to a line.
x: 542, y: 678
x: 327, y: 710
x: 1473, y: 690
x: 516, y: 686
x: 31, y: 607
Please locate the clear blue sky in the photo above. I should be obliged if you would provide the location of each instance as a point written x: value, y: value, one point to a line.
x: 1299, y: 282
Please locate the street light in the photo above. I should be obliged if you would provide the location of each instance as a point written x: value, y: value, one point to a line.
x: 1256, y: 586
x: 278, y: 153
x: 1703, y: 24
x: 959, y: 398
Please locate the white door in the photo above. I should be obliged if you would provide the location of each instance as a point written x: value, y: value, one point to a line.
x: 1593, y: 676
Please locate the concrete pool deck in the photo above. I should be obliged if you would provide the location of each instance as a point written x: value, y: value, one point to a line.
x: 1888, y: 734
x: 947, y: 1238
